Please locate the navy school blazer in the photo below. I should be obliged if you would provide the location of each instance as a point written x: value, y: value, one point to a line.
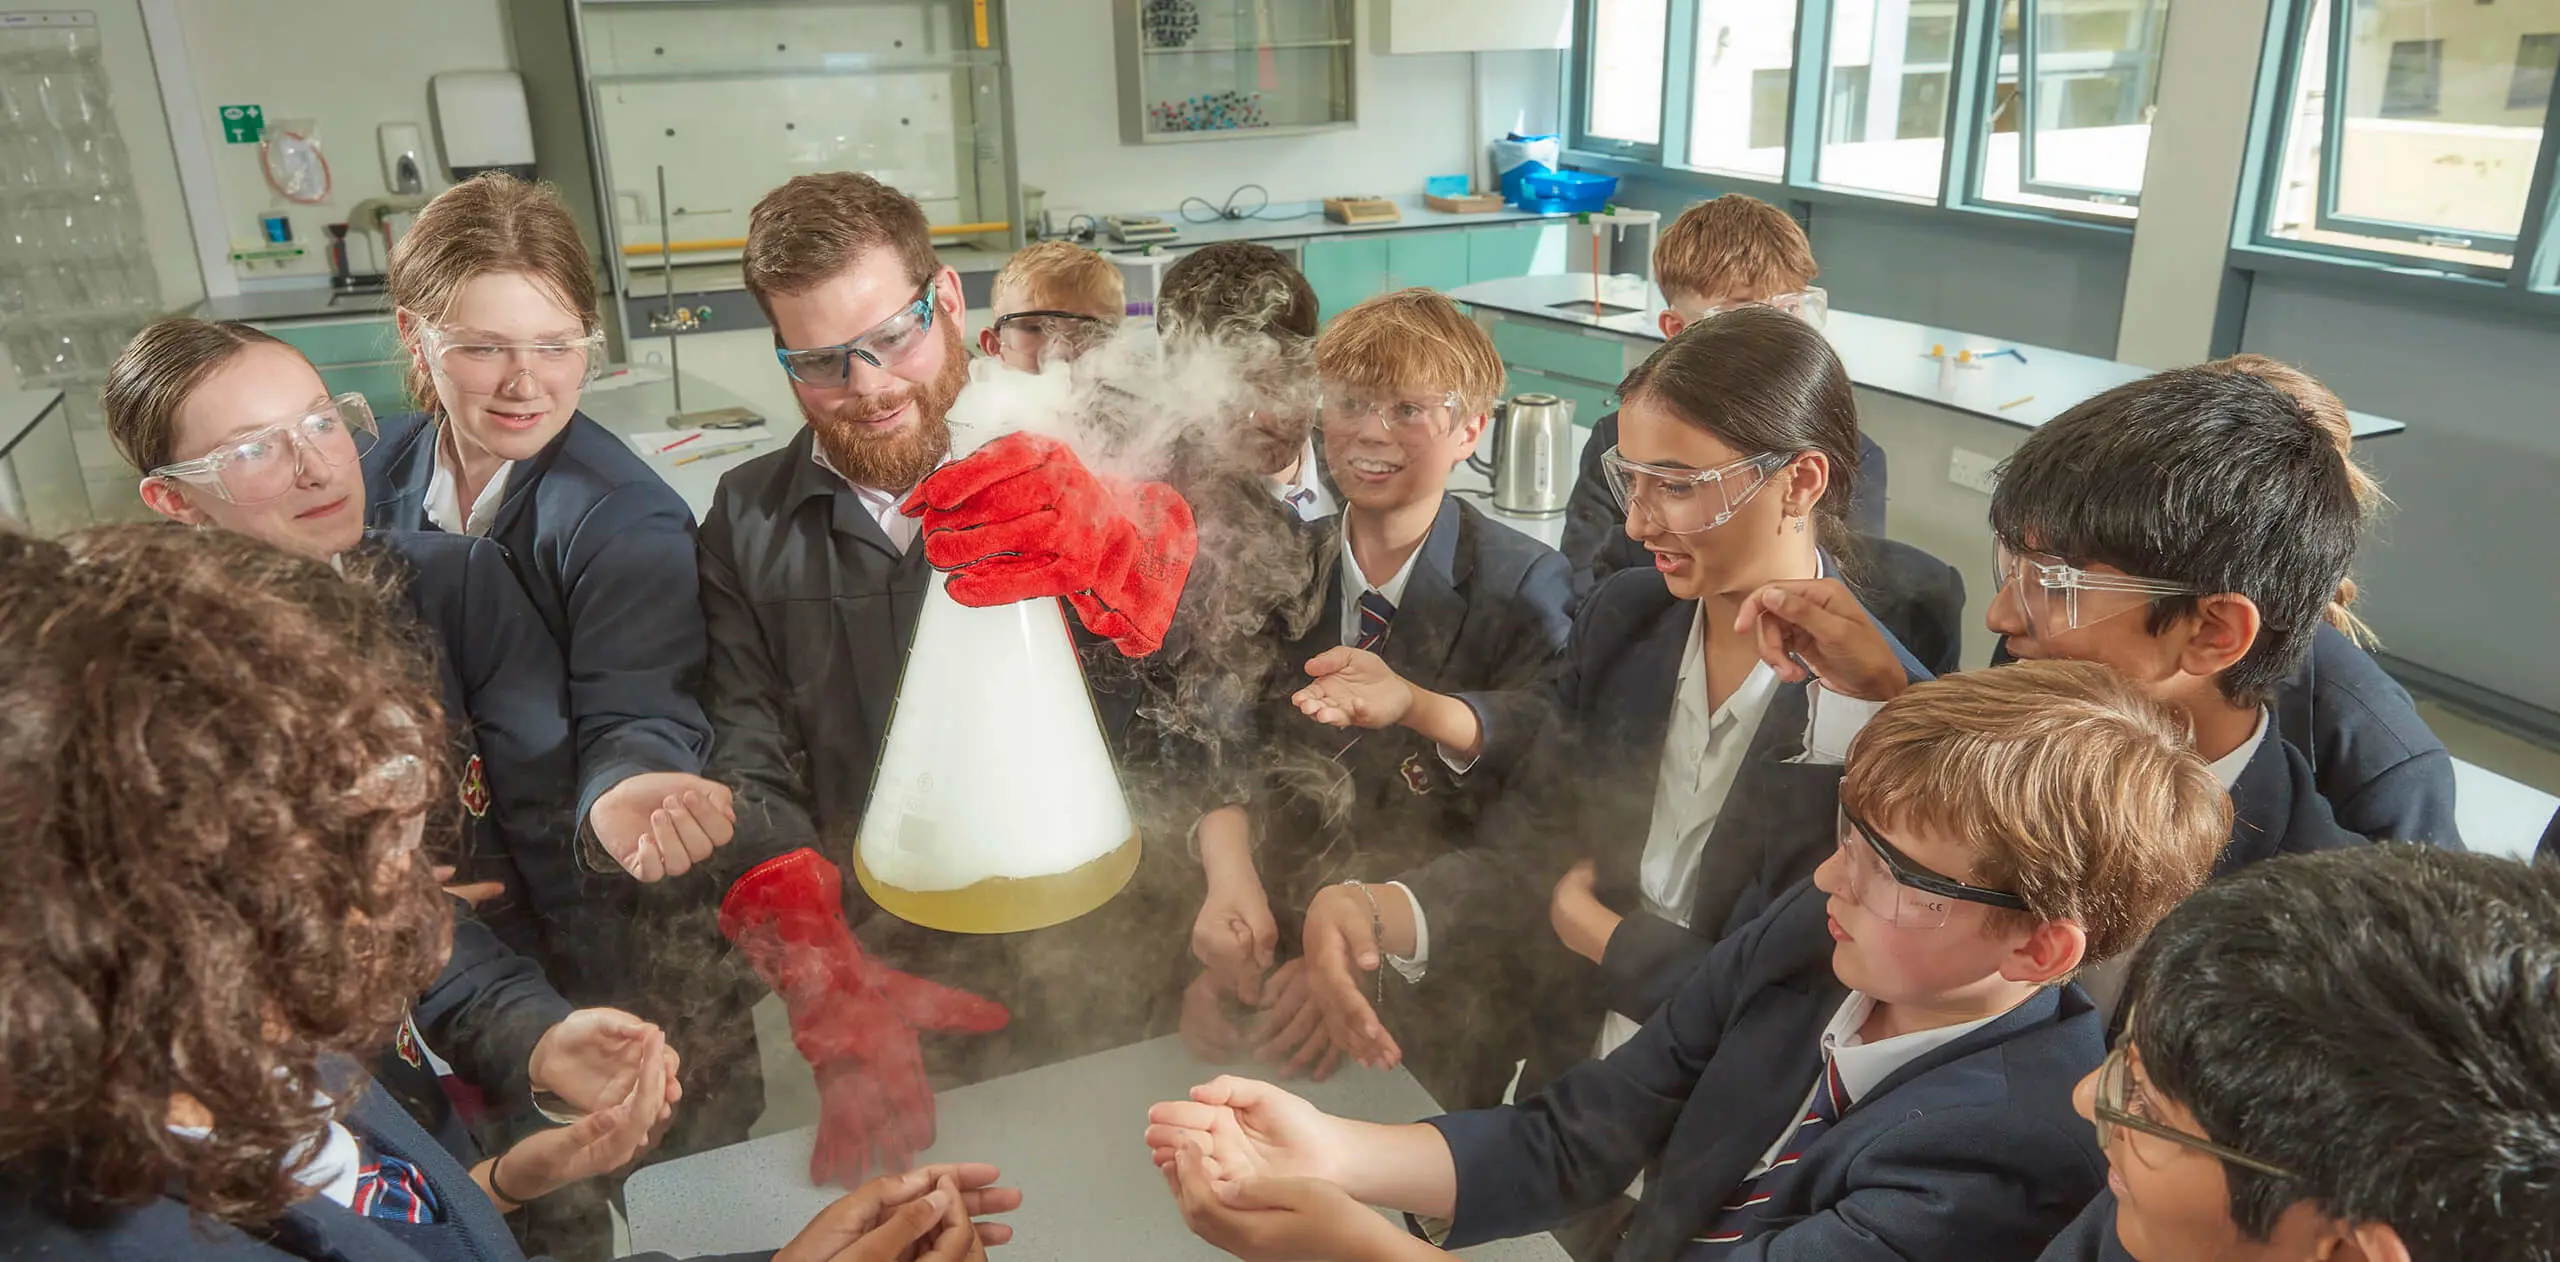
x: 34, y: 1223
x: 506, y: 699
x: 1585, y: 748
x: 2091, y: 1237
x: 1484, y: 608
x: 1970, y: 1153
x: 604, y: 549
x: 482, y: 1014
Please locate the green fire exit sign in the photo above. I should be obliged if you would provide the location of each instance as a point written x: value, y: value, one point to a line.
x: 243, y: 124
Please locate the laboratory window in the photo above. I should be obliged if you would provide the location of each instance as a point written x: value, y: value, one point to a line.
x: 2068, y: 122
x: 1739, y: 82
x: 2409, y: 130
x: 1622, y: 77
x: 1885, y: 95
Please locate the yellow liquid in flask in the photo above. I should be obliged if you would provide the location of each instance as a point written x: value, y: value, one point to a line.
x: 995, y: 807
x: 1007, y: 904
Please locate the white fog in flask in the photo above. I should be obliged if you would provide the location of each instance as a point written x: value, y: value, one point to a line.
x: 995, y: 808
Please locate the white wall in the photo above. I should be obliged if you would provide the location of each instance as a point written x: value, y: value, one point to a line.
x: 1066, y: 102
x: 351, y: 68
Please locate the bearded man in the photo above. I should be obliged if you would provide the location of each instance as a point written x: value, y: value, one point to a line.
x: 816, y: 560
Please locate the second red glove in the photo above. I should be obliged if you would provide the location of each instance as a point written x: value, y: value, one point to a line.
x: 1023, y: 518
x: 855, y: 1021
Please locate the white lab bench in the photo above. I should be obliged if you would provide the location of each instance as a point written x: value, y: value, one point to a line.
x: 1931, y: 420
x: 1070, y: 1135
x: 636, y: 400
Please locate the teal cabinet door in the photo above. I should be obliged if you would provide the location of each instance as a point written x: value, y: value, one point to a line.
x: 1344, y: 271
x: 1433, y: 260
x: 361, y: 355
x: 1502, y: 251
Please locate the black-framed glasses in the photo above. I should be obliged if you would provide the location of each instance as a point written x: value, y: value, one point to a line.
x: 2112, y: 1109
x: 1908, y: 896
x: 888, y: 344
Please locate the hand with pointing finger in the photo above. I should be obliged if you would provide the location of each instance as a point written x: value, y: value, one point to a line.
x: 1818, y: 623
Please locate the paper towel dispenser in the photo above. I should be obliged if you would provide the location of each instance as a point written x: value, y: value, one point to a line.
x: 482, y: 123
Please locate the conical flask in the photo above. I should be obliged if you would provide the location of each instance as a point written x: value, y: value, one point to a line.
x: 996, y: 808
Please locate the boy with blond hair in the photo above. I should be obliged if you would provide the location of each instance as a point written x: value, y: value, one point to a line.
x: 1053, y: 301
x: 1732, y: 251
x: 1881, y: 1066
x: 1452, y: 601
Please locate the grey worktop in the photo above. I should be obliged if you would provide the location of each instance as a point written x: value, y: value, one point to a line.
x: 1070, y: 1135
x: 636, y: 400
x: 1290, y: 221
x: 1880, y: 354
x: 308, y: 302
x: 21, y: 411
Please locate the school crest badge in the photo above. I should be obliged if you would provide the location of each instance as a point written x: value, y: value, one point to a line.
x: 406, y: 1044
x: 1416, y: 776
x: 474, y: 789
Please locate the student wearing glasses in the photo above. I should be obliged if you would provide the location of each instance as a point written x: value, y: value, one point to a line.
x: 2190, y: 530
x: 236, y: 432
x: 1053, y: 301
x: 497, y: 311
x: 1670, y: 798
x: 2343, y: 1057
x: 1880, y: 1067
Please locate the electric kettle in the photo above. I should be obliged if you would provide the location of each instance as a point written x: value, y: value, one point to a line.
x: 1532, y: 460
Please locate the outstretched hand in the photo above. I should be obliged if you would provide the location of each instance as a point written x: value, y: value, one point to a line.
x: 1354, y: 688
x: 662, y: 823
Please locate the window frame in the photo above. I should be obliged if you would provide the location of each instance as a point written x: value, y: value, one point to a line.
x: 1579, y: 138
x: 2027, y: 90
x: 2333, y: 123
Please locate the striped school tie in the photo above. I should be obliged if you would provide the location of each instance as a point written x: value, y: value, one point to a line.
x: 387, y: 1187
x: 1376, y: 611
x: 1739, y: 1219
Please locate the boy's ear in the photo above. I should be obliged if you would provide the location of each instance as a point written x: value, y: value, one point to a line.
x: 2048, y: 953
x: 1672, y: 322
x: 989, y: 344
x: 2370, y: 1242
x: 2220, y: 632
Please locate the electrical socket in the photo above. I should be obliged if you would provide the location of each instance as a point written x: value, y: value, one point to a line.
x: 1974, y: 470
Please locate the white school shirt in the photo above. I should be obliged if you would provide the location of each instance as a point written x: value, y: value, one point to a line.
x: 444, y: 495
x: 1306, y: 495
x: 1702, y: 752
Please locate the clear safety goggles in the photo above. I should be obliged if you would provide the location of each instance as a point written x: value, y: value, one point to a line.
x: 478, y: 364
x: 1685, y: 501
x: 1811, y: 304
x: 262, y: 464
x: 1902, y: 893
x: 1042, y: 334
x: 888, y: 344
x: 2058, y: 597
x: 1347, y: 411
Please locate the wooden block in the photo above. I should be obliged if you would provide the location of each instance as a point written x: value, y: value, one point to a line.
x: 1470, y: 204
x: 1361, y: 210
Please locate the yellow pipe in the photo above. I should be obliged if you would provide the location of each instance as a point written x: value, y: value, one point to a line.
x: 740, y: 243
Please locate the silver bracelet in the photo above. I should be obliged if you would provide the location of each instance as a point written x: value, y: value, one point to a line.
x: 1377, y: 935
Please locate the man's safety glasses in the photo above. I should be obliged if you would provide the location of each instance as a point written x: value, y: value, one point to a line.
x: 889, y: 343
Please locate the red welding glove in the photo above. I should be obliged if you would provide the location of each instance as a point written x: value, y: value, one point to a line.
x: 1022, y: 517
x: 853, y: 1019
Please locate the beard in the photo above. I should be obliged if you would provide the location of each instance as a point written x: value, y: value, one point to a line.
x: 895, y: 461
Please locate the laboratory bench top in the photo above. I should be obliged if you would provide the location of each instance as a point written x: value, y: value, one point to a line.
x: 21, y: 411
x: 636, y: 400
x: 1290, y: 221
x: 1070, y: 1135
x: 1893, y: 356
x: 303, y: 302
